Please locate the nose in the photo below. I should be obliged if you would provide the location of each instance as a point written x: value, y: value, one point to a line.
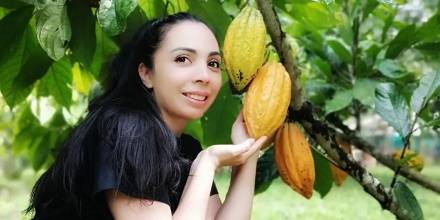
x: 203, y: 75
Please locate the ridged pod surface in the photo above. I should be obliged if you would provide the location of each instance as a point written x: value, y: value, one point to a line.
x: 267, y: 100
x: 294, y: 159
x: 244, y: 47
x: 339, y: 175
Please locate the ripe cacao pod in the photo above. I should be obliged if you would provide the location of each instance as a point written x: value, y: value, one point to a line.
x: 339, y: 175
x: 410, y: 159
x: 294, y: 159
x: 244, y: 47
x: 267, y: 100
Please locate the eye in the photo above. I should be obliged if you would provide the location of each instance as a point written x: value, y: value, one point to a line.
x: 181, y: 59
x: 214, y: 63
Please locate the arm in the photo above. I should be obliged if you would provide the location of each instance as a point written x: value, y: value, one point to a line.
x: 241, y: 188
x: 241, y: 192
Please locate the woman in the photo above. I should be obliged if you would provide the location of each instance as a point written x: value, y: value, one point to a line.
x: 128, y: 159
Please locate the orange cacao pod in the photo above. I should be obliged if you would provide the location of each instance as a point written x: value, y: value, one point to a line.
x: 294, y: 159
x: 267, y: 100
x: 339, y: 175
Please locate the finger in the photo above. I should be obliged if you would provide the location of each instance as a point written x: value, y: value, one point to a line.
x: 258, y: 144
x: 245, y: 146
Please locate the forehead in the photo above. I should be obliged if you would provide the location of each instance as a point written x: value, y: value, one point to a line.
x: 190, y: 34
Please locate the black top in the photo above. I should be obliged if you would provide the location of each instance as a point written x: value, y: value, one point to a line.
x: 95, y: 207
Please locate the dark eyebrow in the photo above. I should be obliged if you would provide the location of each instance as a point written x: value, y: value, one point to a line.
x: 213, y: 53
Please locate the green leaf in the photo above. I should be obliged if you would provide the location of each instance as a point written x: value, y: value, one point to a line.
x: 430, y: 30
x: 19, y: 62
x: 12, y: 27
x: 312, y: 14
x: 83, y: 42
x: 53, y: 27
x: 322, y: 66
x: 435, y: 122
x: 26, y: 137
x: 153, y: 8
x: 391, y: 105
x: 57, y: 121
x: 429, y: 47
x: 58, y: 80
x: 41, y: 149
x: 34, y: 66
x: 217, y: 121
x: 213, y: 13
x: 194, y: 128
x: 175, y: 6
x: 363, y: 91
x: 341, y: 50
x: 391, y: 69
x: 407, y: 201
x: 429, y: 83
x: 266, y: 171
x: 388, y: 22
x: 13, y: 4
x: 369, y: 7
x: 404, y: 40
x: 339, y: 101
x: 82, y: 79
x: 105, y: 48
x: 112, y: 15
x: 323, y: 181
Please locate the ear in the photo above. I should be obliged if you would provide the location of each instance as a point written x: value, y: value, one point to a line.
x: 145, y: 74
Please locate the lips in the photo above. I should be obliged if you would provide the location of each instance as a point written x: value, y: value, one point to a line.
x: 197, y: 96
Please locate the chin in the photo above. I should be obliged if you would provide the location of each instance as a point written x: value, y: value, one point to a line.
x: 195, y: 115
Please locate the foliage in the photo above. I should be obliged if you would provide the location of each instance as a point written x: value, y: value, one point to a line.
x: 368, y: 56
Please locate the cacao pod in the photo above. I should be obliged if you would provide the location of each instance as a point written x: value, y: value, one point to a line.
x: 267, y: 100
x: 339, y: 175
x: 410, y: 159
x: 244, y: 47
x: 294, y: 159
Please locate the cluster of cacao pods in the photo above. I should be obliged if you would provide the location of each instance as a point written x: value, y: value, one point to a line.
x: 266, y: 101
x: 268, y: 84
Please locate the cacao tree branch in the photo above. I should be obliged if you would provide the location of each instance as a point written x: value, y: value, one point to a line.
x: 319, y: 131
x: 283, y: 48
x: 386, y: 160
x: 326, y: 138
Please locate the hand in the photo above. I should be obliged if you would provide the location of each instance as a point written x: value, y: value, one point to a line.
x: 239, y: 131
x: 234, y: 154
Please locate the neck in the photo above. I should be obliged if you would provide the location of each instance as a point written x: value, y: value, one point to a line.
x: 177, y: 125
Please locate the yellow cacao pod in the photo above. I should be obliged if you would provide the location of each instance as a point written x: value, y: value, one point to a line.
x: 267, y: 100
x: 339, y: 175
x: 244, y: 47
x: 294, y: 160
x: 410, y: 159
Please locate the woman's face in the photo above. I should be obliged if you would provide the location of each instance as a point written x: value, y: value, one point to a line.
x: 186, y: 76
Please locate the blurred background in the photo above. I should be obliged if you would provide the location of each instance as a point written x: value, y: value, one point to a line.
x: 351, y: 53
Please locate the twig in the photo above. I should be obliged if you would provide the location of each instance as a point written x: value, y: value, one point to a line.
x: 283, y: 48
x: 386, y: 160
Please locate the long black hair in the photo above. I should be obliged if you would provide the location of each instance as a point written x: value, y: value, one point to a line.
x: 145, y: 149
